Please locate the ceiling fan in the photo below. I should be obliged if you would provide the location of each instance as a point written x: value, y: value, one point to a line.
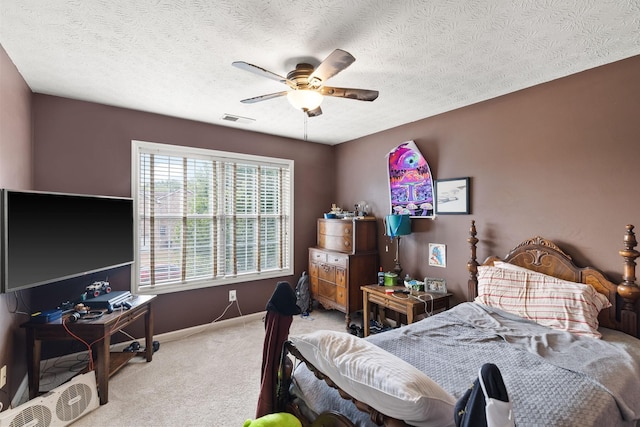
x: 307, y: 84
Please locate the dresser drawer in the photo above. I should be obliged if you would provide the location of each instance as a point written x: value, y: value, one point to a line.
x: 327, y: 290
x: 341, y: 276
x: 349, y: 236
x: 327, y: 272
x: 341, y: 228
x: 313, y: 269
x: 317, y: 256
x: 335, y: 243
x: 341, y: 295
x: 338, y: 260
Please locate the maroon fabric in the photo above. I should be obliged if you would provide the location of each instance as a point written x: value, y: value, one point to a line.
x: 276, y: 333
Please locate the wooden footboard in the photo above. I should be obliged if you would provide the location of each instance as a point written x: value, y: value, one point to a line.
x: 286, y: 404
x: 332, y: 419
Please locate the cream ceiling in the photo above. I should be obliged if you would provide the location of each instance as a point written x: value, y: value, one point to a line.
x: 425, y: 57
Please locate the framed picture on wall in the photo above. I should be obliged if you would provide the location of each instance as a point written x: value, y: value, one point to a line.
x: 452, y: 196
x: 437, y: 255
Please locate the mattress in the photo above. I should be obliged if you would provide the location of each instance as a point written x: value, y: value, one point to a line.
x: 553, y: 378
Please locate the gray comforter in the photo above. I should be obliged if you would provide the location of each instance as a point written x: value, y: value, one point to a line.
x: 553, y: 378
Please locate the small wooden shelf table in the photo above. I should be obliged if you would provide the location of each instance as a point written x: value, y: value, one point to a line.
x: 375, y: 298
x: 97, y: 331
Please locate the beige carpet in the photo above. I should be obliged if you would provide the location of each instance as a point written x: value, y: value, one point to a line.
x: 210, y: 378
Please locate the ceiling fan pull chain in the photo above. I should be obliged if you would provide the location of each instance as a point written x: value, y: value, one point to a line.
x: 305, y: 124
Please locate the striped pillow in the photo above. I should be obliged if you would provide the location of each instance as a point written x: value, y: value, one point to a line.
x: 548, y: 301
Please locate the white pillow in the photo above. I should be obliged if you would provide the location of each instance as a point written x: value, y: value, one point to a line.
x: 549, y: 301
x: 378, y: 378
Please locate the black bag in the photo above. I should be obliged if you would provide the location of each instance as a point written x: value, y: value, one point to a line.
x: 486, y: 403
x: 303, y: 294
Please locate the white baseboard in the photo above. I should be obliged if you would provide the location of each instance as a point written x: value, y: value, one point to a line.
x: 187, y: 332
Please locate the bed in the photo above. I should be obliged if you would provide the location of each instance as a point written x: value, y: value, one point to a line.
x: 579, y: 366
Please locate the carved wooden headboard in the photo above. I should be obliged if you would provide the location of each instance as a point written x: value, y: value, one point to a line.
x: 546, y: 257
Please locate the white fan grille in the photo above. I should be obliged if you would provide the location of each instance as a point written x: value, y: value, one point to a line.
x: 73, y: 401
x: 58, y: 407
x: 33, y: 416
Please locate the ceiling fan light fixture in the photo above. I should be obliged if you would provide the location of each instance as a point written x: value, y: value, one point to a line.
x: 304, y: 99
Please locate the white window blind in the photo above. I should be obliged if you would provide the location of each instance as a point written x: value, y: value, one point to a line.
x: 207, y: 217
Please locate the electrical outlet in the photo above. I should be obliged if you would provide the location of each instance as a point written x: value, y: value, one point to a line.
x: 3, y: 376
x: 232, y: 296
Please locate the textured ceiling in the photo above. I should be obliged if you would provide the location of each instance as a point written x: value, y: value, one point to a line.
x: 425, y: 57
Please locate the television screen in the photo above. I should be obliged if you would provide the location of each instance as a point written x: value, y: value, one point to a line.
x: 47, y: 237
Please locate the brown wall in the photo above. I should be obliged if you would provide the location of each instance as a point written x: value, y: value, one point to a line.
x: 560, y: 160
x: 82, y: 147
x: 15, y: 172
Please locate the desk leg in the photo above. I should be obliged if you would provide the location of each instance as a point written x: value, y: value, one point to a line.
x: 34, y: 350
x: 381, y: 314
x: 148, y: 333
x: 366, y: 313
x: 103, y: 360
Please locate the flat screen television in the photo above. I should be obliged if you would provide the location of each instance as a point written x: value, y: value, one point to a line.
x: 48, y: 237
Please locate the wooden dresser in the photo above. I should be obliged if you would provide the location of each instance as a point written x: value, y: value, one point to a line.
x: 345, y: 258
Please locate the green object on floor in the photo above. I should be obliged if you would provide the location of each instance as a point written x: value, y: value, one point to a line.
x: 281, y: 419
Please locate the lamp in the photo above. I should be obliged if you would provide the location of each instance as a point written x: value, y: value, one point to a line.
x: 304, y: 99
x: 396, y: 226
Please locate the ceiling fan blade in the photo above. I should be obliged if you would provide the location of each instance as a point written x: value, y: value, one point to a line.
x: 314, y: 113
x: 262, y: 72
x: 343, y: 92
x: 332, y: 65
x: 263, y: 97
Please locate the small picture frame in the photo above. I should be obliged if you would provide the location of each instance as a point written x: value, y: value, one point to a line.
x: 435, y: 285
x: 452, y: 196
x: 437, y: 255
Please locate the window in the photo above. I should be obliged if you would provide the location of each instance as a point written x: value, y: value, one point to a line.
x: 206, y: 218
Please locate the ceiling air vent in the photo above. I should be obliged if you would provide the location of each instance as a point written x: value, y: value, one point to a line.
x: 237, y: 119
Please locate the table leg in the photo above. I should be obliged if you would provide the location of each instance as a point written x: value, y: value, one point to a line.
x: 381, y: 315
x: 148, y: 333
x: 103, y: 359
x: 410, y: 315
x: 366, y: 313
x: 34, y: 351
x: 398, y: 319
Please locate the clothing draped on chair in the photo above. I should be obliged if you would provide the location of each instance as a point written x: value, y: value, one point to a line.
x: 280, y: 311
